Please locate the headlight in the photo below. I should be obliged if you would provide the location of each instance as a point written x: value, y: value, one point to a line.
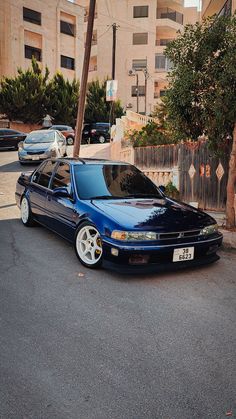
x: 52, y: 152
x: 133, y: 235
x: 206, y: 231
x: 20, y: 146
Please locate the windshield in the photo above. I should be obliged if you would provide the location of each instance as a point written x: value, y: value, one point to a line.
x: 113, y: 181
x: 39, y: 137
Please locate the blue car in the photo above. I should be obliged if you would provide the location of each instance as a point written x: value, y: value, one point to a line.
x: 116, y: 216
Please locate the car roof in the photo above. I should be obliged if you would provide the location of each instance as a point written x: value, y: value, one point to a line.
x: 61, y: 126
x: 89, y: 161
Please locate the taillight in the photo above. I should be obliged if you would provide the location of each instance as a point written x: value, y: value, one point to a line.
x: 93, y: 131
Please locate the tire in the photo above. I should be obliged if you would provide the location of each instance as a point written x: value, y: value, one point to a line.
x: 26, y: 214
x: 88, y: 245
x: 70, y: 140
x: 101, y: 139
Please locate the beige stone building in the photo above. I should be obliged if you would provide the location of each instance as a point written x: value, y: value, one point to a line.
x: 51, y: 30
x: 144, y: 28
x: 54, y: 32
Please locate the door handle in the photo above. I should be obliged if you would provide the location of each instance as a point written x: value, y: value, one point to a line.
x: 49, y: 198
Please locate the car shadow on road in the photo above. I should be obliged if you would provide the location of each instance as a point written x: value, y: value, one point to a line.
x: 15, y: 166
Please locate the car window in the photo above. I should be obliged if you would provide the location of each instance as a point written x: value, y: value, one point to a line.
x: 36, y: 137
x: 43, y: 177
x: 62, y: 177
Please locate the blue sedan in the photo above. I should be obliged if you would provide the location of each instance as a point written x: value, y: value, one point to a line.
x: 115, y: 215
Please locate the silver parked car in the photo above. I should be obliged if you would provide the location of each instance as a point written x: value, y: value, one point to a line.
x: 40, y: 145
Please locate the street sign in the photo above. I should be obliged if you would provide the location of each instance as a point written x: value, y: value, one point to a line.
x: 111, y: 90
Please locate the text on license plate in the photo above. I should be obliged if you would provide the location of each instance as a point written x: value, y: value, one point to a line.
x: 185, y: 253
x: 35, y: 157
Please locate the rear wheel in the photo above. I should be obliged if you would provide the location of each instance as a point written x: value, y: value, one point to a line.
x: 70, y: 140
x: 101, y: 139
x: 26, y: 214
x: 88, y: 245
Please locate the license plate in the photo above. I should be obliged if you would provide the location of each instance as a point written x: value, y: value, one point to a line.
x: 35, y: 157
x: 185, y: 253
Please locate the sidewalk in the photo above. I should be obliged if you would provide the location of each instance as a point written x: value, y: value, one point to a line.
x: 229, y: 240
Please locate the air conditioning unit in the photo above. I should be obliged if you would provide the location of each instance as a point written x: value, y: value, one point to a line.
x: 131, y: 72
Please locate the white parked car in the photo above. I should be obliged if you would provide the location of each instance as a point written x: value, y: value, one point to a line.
x: 40, y: 145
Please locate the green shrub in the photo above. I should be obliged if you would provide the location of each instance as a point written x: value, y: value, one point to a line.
x: 148, y: 135
x: 171, y: 191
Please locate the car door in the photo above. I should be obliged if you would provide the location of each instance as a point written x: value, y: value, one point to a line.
x: 61, y: 214
x: 38, y: 190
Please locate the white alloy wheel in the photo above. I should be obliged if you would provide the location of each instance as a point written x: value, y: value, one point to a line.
x: 88, y: 246
x: 26, y: 213
x: 101, y: 139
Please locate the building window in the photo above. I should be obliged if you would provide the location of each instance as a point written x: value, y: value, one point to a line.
x: 31, y: 16
x: 67, y: 62
x: 162, y: 93
x: 163, y: 42
x: 140, y: 38
x: 33, y: 52
x: 162, y: 63
x: 140, y: 11
x: 67, y: 28
x: 139, y: 64
x: 141, y: 91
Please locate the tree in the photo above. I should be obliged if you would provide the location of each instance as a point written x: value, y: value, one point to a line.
x: 25, y: 97
x: 202, y: 93
x: 97, y: 108
x: 63, y: 100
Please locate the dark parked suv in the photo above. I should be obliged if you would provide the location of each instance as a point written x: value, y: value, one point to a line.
x: 97, y: 132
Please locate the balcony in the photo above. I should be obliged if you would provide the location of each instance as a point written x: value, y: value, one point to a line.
x: 169, y: 18
x: 167, y: 13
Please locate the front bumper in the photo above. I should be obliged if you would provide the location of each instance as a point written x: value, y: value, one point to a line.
x: 33, y: 158
x: 160, y: 256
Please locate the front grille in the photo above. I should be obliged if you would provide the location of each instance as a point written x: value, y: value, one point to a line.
x: 178, y: 235
x: 31, y: 153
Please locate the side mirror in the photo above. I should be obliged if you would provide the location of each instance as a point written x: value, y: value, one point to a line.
x: 162, y: 188
x: 61, y: 191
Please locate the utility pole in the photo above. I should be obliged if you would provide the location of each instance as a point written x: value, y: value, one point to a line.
x: 137, y: 92
x: 84, y: 79
x: 113, y: 70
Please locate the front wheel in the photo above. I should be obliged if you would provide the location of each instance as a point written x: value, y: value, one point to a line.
x: 26, y: 214
x: 88, y: 245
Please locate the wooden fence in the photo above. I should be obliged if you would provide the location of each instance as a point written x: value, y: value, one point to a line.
x: 199, y: 176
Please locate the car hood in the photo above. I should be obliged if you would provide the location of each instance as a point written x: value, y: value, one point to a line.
x: 37, y: 146
x: 154, y: 214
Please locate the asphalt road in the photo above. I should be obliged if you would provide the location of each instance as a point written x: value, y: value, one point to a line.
x: 82, y: 344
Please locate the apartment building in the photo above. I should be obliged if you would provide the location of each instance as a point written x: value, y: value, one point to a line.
x: 52, y: 31
x: 144, y: 28
x: 218, y: 7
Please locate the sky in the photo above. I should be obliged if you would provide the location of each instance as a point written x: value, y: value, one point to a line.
x: 190, y: 3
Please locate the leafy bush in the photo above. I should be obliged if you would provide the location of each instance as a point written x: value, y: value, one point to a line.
x: 148, y: 135
x: 171, y: 191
